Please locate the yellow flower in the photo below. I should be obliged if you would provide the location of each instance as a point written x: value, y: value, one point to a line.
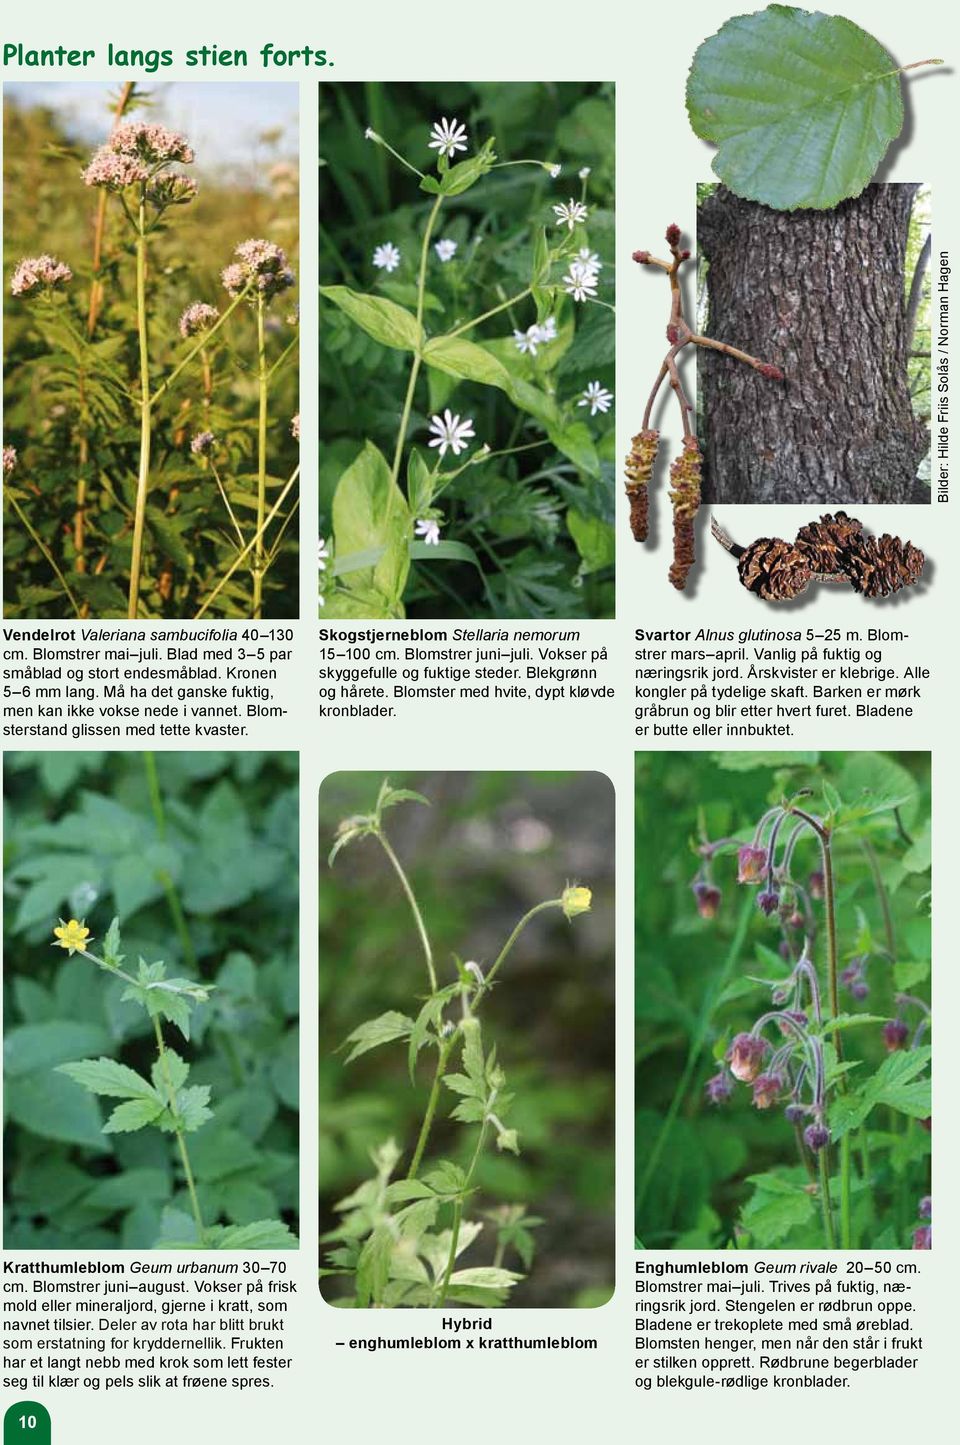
x: 72, y: 936
x: 575, y: 900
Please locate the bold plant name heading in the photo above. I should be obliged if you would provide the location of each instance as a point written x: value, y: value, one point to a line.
x: 205, y: 56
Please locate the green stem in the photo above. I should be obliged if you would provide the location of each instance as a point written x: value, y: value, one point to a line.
x: 458, y: 1215
x: 163, y: 877
x: 494, y: 311
x: 205, y: 340
x: 417, y: 356
x: 253, y: 540
x: 143, y: 475
x: 882, y: 899
x: 181, y: 1140
x: 445, y: 1050
x: 676, y: 1103
x: 539, y: 908
x: 258, y: 556
x: 414, y: 907
x: 846, y: 1223
x: 825, y: 1206
x: 44, y: 550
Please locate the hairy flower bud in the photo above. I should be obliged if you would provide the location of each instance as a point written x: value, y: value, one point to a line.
x: 766, y: 1090
x: 719, y: 1088
x: 673, y: 234
x: 708, y: 898
x: 816, y: 1137
x: 744, y: 1056
x: 768, y: 901
x: 895, y: 1035
x: 643, y: 257
x: 795, y: 1113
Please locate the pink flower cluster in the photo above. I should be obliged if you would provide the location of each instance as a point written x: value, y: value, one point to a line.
x: 39, y: 273
x: 197, y: 317
x: 9, y: 460
x: 203, y: 443
x: 134, y: 152
x: 262, y: 263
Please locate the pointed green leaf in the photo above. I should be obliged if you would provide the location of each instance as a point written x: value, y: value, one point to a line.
x: 384, y: 320
x: 106, y: 1076
x: 134, y: 1114
x: 373, y: 1033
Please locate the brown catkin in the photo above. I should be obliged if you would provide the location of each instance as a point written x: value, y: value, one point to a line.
x: 775, y: 570
x: 685, y: 498
x: 639, y: 469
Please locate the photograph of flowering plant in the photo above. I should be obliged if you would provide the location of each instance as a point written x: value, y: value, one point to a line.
x: 466, y: 1040
x: 151, y: 1059
x: 151, y: 444
x: 783, y: 1047
x: 467, y: 453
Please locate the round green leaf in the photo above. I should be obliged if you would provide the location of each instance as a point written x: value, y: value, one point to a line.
x: 802, y: 106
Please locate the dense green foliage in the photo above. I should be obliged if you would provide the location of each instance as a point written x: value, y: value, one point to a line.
x: 729, y: 1174
x: 489, y: 848
x: 72, y: 387
x: 202, y: 872
x: 528, y: 530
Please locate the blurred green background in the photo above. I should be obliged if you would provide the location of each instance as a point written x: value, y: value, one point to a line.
x: 490, y: 846
x: 692, y: 988
x: 83, y: 838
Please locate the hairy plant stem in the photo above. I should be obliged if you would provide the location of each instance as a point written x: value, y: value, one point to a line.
x: 829, y: 1228
x: 693, y: 1052
x: 458, y: 1214
x: 259, y: 558
x: 882, y: 898
x: 418, y: 354
x: 143, y: 476
x: 447, y: 1046
x: 181, y: 1139
x: 384, y: 842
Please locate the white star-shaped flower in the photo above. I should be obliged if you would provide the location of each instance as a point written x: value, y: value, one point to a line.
x: 446, y: 249
x: 554, y: 172
x: 583, y: 172
x: 548, y: 331
x: 451, y: 432
x: 590, y: 259
x: 572, y: 214
x: 386, y: 257
x: 527, y: 341
x: 448, y: 136
x: 580, y: 282
x: 323, y: 555
x: 428, y: 530
x: 596, y: 397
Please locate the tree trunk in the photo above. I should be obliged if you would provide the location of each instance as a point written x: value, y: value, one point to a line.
x: 819, y: 294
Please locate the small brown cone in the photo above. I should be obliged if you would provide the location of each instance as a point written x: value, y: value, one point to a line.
x: 878, y: 566
x: 824, y: 543
x: 639, y: 469
x: 773, y: 569
x: 685, y: 498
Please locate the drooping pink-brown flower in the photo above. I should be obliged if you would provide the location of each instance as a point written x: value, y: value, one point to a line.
x: 745, y: 1056
x: 39, y: 273
x: 767, y: 1089
x: 895, y: 1034
x: 708, y: 897
x: 751, y: 864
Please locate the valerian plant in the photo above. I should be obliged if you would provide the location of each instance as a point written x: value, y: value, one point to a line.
x: 507, y: 319
x: 405, y: 1228
x: 858, y: 1122
x: 142, y: 418
x: 164, y: 1101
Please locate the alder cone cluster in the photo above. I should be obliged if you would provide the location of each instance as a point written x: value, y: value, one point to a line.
x: 775, y: 570
x: 878, y: 566
x: 826, y: 542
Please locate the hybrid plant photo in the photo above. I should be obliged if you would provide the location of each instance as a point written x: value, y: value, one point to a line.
x: 151, y: 443
x: 467, y: 453
x: 151, y: 1059
x: 466, y: 1040
x: 783, y: 1028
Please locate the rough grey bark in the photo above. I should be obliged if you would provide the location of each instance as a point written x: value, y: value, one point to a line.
x: 821, y: 295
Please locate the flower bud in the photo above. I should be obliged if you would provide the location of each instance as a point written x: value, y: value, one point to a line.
x: 860, y: 990
x: 768, y: 902
x: 751, y: 863
x: 795, y: 920
x: 816, y: 1137
x: 799, y: 1018
x: 719, y: 1088
x: 643, y: 257
x: 773, y: 373
x: 744, y: 1057
x: 684, y: 255
x: 895, y: 1034
x: 925, y: 1207
x: 708, y: 898
x: 816, y: 885
x: 673, y: 234
x: 922, y: 1237
x: 575, y: 900
x: 795, y: 1113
